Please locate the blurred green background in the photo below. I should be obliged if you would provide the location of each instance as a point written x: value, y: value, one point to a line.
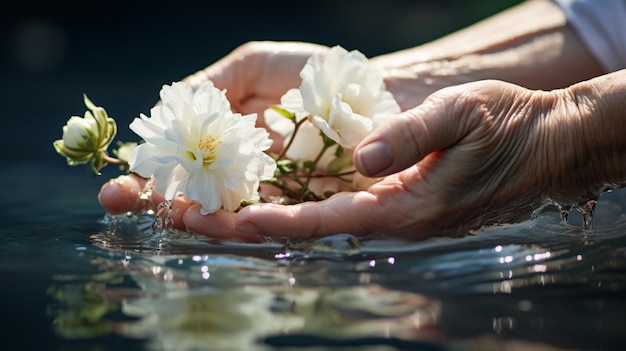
x: 121, y: 52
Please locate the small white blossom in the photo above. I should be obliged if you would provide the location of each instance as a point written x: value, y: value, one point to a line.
x: 125, y: 150
x: 341, y: 95
x: 86, y: 138
x: 195, y: 145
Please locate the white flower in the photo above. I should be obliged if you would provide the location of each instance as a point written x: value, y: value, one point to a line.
x: 341, y: 95
x: 195, y: 145
x: 86, y: 138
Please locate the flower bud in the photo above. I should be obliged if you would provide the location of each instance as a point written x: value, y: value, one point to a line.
x: 86, y: 138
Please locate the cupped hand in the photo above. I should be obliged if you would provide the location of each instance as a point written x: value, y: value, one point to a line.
x: 471, y: 155
x: 256, y: 74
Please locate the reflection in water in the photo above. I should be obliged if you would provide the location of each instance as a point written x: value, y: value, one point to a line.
x: 217, y: 302
x: 82, y: 305
x: 537, y: 285
x: 235, y: 318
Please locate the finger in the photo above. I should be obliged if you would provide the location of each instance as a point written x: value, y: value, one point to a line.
x: 180, y: 205
x: 415, y: 133
x: 355, y: 213
x: 123, y: 194
x: 130, y: 193
x: 258, y: 68
x: 238, y: 71
x: 219, y: 225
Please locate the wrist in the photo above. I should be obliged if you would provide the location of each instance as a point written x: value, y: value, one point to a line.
x: 587, y: 132
x: 608, y: 137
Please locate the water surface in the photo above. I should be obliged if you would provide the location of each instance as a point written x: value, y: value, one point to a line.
x: 76, y: 279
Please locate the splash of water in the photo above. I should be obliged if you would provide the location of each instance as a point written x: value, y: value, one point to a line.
x: 163, y: 221
x: 564, y: 213
x: 586, y: 206
x: 587, y: 211
x: 146, y: 192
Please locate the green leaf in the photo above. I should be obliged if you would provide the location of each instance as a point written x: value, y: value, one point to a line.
x: 97, y: 163
x: 286, y: 166
x: 245, y: 203
x: 328, y: 142
x: 339, y: 151
x: 309, y: 165
x: 283, y: 112
x: 90, y: 105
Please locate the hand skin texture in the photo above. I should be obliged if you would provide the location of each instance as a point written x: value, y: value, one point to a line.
x: 467, y: 151
x: 475, y: 154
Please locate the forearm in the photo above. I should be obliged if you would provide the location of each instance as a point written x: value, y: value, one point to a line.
x: 529, y: 44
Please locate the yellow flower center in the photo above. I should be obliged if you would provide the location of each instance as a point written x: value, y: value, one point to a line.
x: 207, y: 147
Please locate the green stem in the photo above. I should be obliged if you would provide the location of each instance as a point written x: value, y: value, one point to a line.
x: 336, y: 175
x: 309, y: 174
x: 116, y: 161
x: 293, y: 136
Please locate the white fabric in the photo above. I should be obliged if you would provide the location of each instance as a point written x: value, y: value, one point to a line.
x: 601, y: 25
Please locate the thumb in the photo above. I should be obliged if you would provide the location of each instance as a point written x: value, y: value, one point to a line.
x: 405, y: 140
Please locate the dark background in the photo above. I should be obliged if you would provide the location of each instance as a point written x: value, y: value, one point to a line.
x: 120, y: 53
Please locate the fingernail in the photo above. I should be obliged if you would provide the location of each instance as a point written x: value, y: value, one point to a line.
x: 374, y: 158
x: 248, y: 228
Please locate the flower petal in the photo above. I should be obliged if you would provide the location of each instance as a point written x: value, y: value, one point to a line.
x: 195, y: 145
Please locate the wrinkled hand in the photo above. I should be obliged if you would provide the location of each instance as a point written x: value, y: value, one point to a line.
x: 256, y: 75
x: 470, y: 155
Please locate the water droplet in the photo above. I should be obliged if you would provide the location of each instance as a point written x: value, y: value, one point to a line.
x: 146, y: 192
x: 563, y: 210
x: 587, y: 210
x: 564, y: 214
x: 545, y: 202
x: 163, y: 221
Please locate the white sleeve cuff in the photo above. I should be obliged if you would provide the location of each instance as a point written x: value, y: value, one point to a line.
x: 601, y: 25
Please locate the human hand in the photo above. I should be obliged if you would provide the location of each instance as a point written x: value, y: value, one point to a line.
x: 124, y: 195
x: 256, y: 74
x: 452, y: 164
x: 472, y: 155
x: 380, y: 199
